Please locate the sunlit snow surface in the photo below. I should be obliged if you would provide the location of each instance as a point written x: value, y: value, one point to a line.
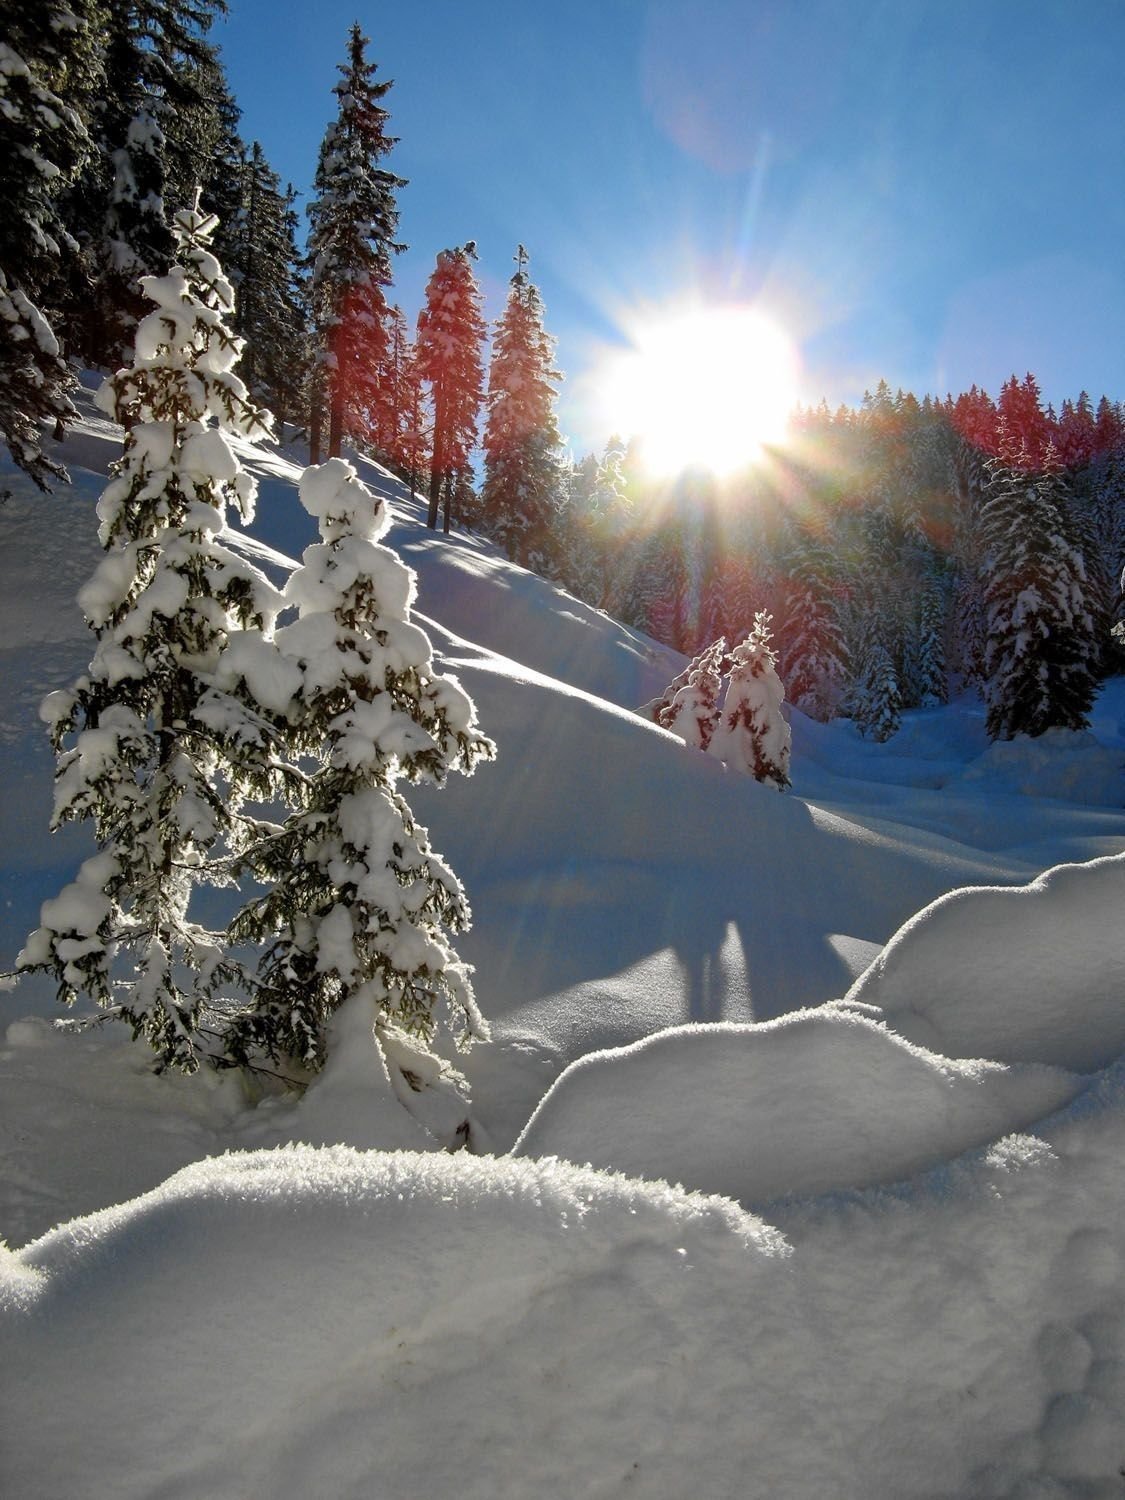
x: 931, y: 1301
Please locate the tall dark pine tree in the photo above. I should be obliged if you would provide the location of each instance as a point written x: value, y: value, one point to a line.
x: 262, y: 263
x: 448, y: 354
x: 43, y: 144
x: 156, y: 68
x: 1040, y: 655
x: 521, y: 437
x: 353, y: 220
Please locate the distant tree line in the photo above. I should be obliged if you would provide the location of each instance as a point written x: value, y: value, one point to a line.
x: 905, y: 550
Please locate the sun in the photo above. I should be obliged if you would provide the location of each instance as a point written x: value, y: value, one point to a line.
x: 702, y: 387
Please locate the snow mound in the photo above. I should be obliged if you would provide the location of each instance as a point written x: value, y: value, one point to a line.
x: 339, y: 1323
x: 1065, y: 764
x: 816, y: 1102
x: 1030, y: 974
x: 282, y: 1324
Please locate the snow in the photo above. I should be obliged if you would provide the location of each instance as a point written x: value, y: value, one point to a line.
x: 815, y: 1102
x: 878, y: 1013
x: 1049, y: 992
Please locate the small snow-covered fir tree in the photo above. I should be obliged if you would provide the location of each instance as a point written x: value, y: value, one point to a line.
x: 690, y: 705
x: 752, y: 734
x: 152, y: 751
x: 359, y: 905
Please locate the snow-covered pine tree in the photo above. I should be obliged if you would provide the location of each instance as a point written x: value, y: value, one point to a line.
x: 1040, y: 659
x: 43, y: 144
x: 448, y: 357
x: 151, y: 751
x: 358, y: 906
x: 352, y: 224
x: 609, y: 524
x: 752, y: 734
x: 875, y: 700
x: 927, y: 648
x: 690, y: 706
x: 814, y: 655
x: 520, y: 495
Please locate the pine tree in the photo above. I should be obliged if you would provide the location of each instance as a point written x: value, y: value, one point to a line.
x: 927, y: 656
x: 357, y: 904
x: 447, y: 351
x: 390, y: 415
x: 690, y: 705
x: 270, y: 312
x: 160, y: 758
x: 353, y: 220
x: 43, y: 145
x: 520, y: 495
x: 154, y: 65
x: 1039, y: 657
x: 875, y: 701
x: 609, y: 524
x: 752, y: 734
x: 814, y: 655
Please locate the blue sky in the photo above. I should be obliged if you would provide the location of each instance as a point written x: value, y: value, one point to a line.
x: 929, y: 192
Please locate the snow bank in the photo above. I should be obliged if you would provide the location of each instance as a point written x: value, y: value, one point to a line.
x: 292, y: 1323
x: 813, y: 1103
x: 303, y: 1322
x: 1031, y: 974
x: 1066, y: 764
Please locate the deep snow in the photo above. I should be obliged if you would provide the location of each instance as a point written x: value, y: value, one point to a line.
x: 788, y: 999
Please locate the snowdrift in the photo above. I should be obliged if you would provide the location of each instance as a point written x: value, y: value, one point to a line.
x: 350, y: 1324
x: 815, y: 1102
x: 1026, y: 975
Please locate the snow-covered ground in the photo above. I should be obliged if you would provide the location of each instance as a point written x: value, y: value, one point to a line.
x: 880, y: 1013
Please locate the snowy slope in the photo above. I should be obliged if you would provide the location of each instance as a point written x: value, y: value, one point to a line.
x: 936, y: 1305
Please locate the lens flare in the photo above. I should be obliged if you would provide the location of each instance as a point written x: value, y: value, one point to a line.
x: 704, y: 387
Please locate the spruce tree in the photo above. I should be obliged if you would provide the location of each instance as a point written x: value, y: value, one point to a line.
x: 1040, y: 657
x: 609, y: 523
x: 43, y: 145
x: 814, y: 654
x: 447, y: 351
x: 358, y: 906
x: 353, y: 220
x: 875, y: 700
x: 690, y: 705
x: 270, y: 313
x: 752, y: 734
x: 520, y: 496
x: 155, y: 66
x: 152, y: 750
x: 390, y: 415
